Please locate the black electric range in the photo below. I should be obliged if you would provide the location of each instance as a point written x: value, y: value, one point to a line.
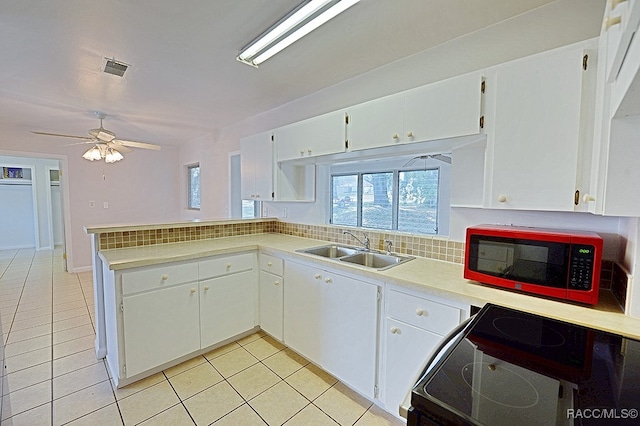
x: 507, y: 367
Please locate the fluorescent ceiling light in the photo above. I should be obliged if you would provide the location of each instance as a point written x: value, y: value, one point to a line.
x: 300, y: 22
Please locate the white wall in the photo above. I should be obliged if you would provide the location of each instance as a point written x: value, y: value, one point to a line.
x: 142, y: 188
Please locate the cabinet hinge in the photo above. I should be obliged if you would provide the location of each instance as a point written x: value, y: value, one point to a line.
x: 346, y: 144
x: 124, y: 368
x: 379, y: 296
x: 272, y: 138
x: 576, y: 197
x: 346, y: 119
x: 375, y: 391
x: 482, y: 87
x: 121, y: 307
x: 585, y: 60
x: 273, y: 195
x: 482, y: 122
x: 64, y: 256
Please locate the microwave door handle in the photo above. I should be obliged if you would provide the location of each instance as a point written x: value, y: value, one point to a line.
x: 452, y: 337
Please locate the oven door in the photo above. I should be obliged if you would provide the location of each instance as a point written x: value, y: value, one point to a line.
x: 438, y: 354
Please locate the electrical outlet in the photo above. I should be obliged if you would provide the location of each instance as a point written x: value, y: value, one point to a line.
x: 265, y: 211
x: 284, y: 212
x: 92, y: 204
x: 105, y: 205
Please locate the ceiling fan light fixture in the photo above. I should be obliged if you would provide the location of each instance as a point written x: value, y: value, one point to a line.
x: 298, y: 23
x: 112, y: 156
x: 93, y: 154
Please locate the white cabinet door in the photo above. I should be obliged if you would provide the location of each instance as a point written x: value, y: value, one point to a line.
x: 256, y: 167
x: 160, y: 326
x: 446, y: 109
x: 376, y: 123
x: 321, y: 135
x: 332, y: 320
x: 349, y: 317
x: 271, y: 304
x: 535, y: 136
x: 407, y: 348
x: 227, y: 307
x: 302, y: 310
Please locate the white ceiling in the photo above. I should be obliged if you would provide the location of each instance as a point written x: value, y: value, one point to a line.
x: 184, y: 81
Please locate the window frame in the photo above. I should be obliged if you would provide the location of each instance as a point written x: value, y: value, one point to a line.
x: 189, y: 168
x: 395, y: 196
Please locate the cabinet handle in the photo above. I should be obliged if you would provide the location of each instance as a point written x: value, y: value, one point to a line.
x: 410, y: 135
x: 276, y: 283
x: 328, y: 280
x: 502, y: 198
x: 165, y: 277
x: 588, y: 197
x: 610, y: 22
x: 309, y: 151
x: 193, y: 290
x: 420, y: 312
x: 206, y: 287
x: 395, y: 136
x: 269, y: 264
x: 317, y: 276
x: 228, y: 266
x: 615, y: 3
x: 301, y: 153
x: 395, y: 330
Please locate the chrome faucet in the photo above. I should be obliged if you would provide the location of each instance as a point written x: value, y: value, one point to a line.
x: 388, y: 243
x: 366, y: 241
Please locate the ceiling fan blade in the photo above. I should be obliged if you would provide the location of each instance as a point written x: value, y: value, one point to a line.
x: 135, y: 144
x: 442, y: 158
x: 119, y: 147
x: 92, y: 141
x: 62, y: 136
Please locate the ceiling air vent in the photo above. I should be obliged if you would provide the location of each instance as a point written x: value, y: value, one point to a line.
x: 115, y: 68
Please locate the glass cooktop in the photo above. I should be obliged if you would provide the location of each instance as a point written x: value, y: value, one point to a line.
x: 512, y: 368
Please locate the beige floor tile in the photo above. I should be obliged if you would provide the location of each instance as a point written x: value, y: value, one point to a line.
x: 342, y: 404
x: 253, y: 381
x: 285, y: 362
x: 147, y: 403
x: 29, y: 333
x: 221, y: 350
x: 13, y: 349
x: 187, y: 365
x: 73, y: 346
x: 27, y: 377
x: 242, y: 415
x: 105, y: 416
x: 278, y: 404
x: 74, y: 362
x: 213, y: 403
x: 69, y: 305
x: 26, y: 360
x: 37, y: 306
x: 71, y: 313
x: 31, y: 322
x: 138, y: 386
x: 81, y: 403
x: 311, y: 415
x: 25, y: 399
x: 311, y: 381
x: 39, y: 416
x: 376, y: 416
x: 71, y: 323
x: 73, y: 333
x: 195, y: 380
x: 174, y: 416
x: 263, y: 348
x: 79, y: 379
x: 233, y: 362
x: 23, y: 315
x: 250, y: 338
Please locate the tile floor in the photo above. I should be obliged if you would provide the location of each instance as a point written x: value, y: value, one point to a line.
x: 52, y: 377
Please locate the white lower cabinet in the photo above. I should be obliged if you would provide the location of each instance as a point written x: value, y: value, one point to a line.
x: 414, y: 325
x: 271, y: 284
x: 227, y: 307
x: 160, y: 326
x: 332, y: 320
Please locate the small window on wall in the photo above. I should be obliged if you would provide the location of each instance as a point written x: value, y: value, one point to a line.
x: 193, y: 187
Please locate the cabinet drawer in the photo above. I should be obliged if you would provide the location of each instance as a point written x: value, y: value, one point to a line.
x: 158, y: 277
x: 271, y: 264
x: 224, y: 265
x: 423, y: 313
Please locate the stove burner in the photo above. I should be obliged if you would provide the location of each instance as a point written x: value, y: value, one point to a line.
x: 500, y: 385
x: 529, y: 332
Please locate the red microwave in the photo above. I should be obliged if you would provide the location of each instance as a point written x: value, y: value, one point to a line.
x: 562, y: 264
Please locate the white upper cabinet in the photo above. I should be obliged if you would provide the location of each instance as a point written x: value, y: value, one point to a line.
x: 538, y: 120
x: 621, y: 20
x: 445, y: 109
x: 256, y: 165
x: 321, y: 135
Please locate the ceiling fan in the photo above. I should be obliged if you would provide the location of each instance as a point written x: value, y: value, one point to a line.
x: 439, y: 157
x: 106, y: 145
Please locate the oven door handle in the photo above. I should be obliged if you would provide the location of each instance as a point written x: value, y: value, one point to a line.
x: 433, y: 357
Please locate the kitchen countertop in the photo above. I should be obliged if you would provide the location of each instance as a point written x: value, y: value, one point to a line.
x: 434, y: 277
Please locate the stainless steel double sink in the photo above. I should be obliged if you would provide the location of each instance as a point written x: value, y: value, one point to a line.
x: 358, y: 256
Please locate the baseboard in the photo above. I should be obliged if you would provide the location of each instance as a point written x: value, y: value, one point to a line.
x: 81, y: 269
x: 17, y: 247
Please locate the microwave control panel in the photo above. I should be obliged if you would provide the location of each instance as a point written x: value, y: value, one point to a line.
x: 581, y: 267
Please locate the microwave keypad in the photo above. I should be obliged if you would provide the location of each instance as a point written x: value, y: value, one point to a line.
x: 581, y: 270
